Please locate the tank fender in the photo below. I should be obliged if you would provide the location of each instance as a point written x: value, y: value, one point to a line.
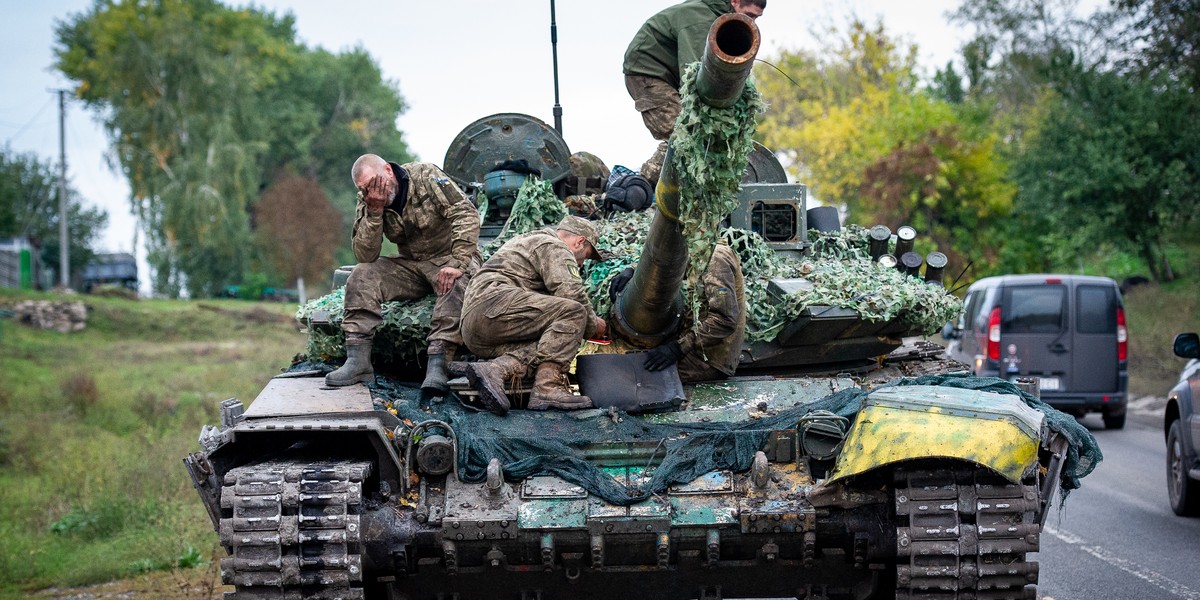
x: 902, y: 423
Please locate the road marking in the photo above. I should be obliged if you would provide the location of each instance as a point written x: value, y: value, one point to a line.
x: 1161, y: 582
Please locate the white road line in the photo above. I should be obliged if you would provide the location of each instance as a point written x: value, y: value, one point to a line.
x: 1149, y: 576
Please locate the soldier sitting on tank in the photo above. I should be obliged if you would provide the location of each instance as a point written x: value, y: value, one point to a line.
x: 527, y: 306
x: 436, y: 231
x: 712, y: 349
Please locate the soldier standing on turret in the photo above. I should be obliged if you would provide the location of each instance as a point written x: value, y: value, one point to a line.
x: 712, y: 349
x: 527, y: 306
x: 654, y: 61
x: 436, y: 230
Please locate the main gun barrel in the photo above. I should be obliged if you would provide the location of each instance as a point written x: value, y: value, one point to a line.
x: 650, y: 307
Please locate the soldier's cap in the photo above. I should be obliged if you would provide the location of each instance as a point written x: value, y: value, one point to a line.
x: 584, y: 228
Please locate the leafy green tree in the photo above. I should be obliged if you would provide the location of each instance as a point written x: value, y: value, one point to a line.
x: 1115, y: 160
x: 29, y: 208
x: 1164, y: 36
x: 206, y: 106
x: 865, y: 136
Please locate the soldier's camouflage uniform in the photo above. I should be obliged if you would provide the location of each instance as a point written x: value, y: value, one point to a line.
x: 436, y: 227
x: 528, y: 301
x: 666, y: 43
x: 713, y: 350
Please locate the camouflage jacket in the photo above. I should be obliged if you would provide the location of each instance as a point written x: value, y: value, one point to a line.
x: 722, y: 326
x: 673, y: 39
x: 436, y: 222
x: 537, y: 261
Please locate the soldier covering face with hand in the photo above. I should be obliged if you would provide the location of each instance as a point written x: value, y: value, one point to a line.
x: 436, y: 231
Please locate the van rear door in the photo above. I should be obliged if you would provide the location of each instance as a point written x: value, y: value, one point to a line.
x: 1035, y: 338
x: 1094, y: 355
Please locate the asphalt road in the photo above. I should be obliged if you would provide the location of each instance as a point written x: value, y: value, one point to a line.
x: 1116, y: 537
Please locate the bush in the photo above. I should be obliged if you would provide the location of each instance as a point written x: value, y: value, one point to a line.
x: 80, y: 392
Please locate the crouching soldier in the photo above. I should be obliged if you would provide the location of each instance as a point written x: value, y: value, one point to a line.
x: 436, y: 231
x: 527, y: 306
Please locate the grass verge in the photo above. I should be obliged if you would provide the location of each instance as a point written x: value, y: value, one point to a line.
x: 95, y: 425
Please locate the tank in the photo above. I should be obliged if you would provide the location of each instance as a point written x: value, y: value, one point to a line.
x: 837, y: 463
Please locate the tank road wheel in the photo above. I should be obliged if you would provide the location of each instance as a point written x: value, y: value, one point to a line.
x: 963, y: 533
x: 292, y: 530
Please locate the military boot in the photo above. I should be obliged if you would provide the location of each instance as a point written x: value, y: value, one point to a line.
x: 436, y: 382
x: 488, y: 378
x: 550, y: 390
x: 357, y: 368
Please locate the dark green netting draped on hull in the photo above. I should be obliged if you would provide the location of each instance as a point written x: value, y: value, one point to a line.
x: 553, y: 443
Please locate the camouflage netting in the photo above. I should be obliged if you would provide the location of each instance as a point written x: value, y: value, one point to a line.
x: 709, y: 147
x: 553, y: 443
x: 843, y: 276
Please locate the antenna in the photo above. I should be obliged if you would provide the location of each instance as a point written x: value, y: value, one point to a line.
x: 554, y: 52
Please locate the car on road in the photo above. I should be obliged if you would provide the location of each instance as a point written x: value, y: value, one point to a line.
x: 1181, y: 426
x: 1066, y: 330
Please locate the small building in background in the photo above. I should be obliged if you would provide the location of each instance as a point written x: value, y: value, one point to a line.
x: 20, y: 264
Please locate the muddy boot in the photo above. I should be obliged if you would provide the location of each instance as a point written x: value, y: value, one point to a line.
x: 488, y: 378
x: 550, y: 390
x: 357, y: 368
x: 436, y: 382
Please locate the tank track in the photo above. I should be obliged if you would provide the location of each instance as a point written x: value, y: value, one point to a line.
x: 963, y: 534
x: 292, y: 530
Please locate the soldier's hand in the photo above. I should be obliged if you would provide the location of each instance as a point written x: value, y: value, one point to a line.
x: 377, y: 194
x: 446, y: 278
x: 663, y: 356
x: 601, y: 328
x: 618, y: 284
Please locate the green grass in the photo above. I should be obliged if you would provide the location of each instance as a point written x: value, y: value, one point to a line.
x: 94, y: 426
x: 1155, y: 314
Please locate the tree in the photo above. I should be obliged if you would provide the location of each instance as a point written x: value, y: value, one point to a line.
x: 29, y: 208
x: 205, y: 106
x: 1164, y: 37
x: 865, y: 136
x: 293, y: 221
x: 1116, y: 160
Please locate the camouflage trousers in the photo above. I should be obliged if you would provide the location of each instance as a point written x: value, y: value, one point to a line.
x: 531, y: 327
x: 390, y: 278
x: 659, y: 103
x: 693, y: 367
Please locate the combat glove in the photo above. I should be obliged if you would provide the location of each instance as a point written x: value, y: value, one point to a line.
x: 663, y: 356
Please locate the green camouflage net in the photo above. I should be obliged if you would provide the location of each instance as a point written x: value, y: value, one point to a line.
x: 536, y: 206
x: 399, y: 339
x: 709, y: 148
x: 530, y: 443
x: 843, y: 276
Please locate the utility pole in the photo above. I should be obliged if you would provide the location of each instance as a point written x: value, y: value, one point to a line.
x: 64, y: 275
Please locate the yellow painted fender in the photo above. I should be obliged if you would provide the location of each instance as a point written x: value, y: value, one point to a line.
x: 900, y: 423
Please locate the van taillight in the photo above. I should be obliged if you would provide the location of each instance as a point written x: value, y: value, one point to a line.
x: 993, y: 337
x: 1122, y: 336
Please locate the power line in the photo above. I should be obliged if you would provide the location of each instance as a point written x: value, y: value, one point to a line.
x: 30, y: 121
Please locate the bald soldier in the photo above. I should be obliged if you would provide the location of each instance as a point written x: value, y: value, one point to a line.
x: 527, y: 306
x: 436, y: 231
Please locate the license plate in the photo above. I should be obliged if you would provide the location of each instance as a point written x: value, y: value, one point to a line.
x: 1048, y: 383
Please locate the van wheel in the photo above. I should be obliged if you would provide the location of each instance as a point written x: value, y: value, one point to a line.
x: 1114, y: 422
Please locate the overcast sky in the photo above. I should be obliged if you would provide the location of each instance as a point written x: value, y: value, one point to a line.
x: 454, y: 62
